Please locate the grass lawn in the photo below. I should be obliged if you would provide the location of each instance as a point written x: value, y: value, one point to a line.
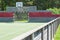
x: 57, y: 35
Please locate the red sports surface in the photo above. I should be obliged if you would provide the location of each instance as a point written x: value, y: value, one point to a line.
x: 42, y: 14
x: 6, y: 14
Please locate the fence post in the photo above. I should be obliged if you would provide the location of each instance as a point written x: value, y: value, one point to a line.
x: 45, y: 33
x: 33, y: 36
x: 52, y: 29
x: 49, y: 32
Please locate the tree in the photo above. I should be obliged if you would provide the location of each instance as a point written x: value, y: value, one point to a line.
x: 44, y: 4
x: 5, y: 3
x: 41, y: 4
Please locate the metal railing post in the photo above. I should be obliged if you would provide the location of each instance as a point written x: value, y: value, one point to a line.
x: 52, y: 29
x: 45, y: 33
x: 49, y: 32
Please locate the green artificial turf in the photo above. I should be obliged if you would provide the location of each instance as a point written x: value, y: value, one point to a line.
x: 11, y: 30
x: 57, y: 35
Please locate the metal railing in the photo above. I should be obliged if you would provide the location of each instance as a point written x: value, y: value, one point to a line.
x: 45, y: 32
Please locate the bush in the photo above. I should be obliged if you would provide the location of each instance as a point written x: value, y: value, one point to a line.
x: 21, y: 16
x: 55, y: 10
